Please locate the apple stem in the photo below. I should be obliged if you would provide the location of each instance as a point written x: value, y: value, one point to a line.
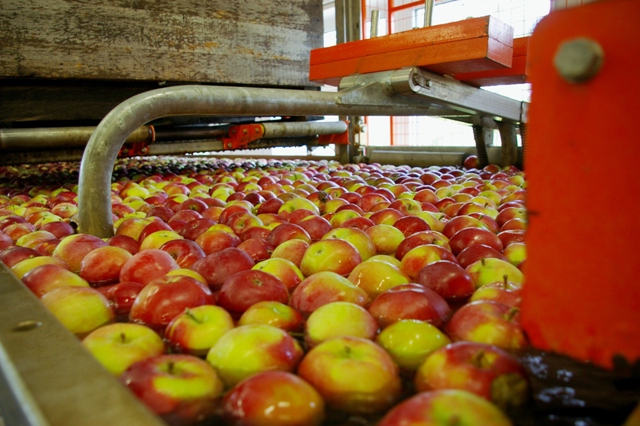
x: 188, y: 312
x: 505, y: 281
x: 477, y: 359
x: 482, y: 261
x: 170, y: 367
x: 123, y: 338
x: 512, y: 312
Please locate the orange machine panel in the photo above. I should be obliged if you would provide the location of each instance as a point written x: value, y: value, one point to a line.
x: 475, y: 44
x: 514, y: 75
x: 582, y: 291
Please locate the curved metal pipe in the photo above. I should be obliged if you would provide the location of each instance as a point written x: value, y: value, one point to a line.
x: 94, y: 202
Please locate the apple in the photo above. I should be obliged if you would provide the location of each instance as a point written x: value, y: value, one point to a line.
x: 153, y: 226
x: 359, y: 238
x: 13, y: 255
x: 250, y: 349
x: 185, y: 252
x: 515, y: 253
x: 375, y: 277
x: 59, y: 229
x: 219, y: 266
x: 80, y: 309
x: 460, y: 222
x: 489, y: 270
x: 273, y: 398
x: 17, y: 230
x: 164, y: 298
x: 338, y: 319
x: 469, y: 236
x: 421, y: 238
x: 422, y: 255
x: 409, y: 225
x: 511, y: 236
x: 508, y: 213
x: 102, y: 266
x: 482, y: 369
x: 386, y: 238
x: 45, y: 278
x: 241, y: 221
x: 258, y: 231
x: 386, y: 216
x: 117, y: 346
x: 244, y: 288
x: 486, y: 321
x: 292, y: 250
x: 477, y: 252
x: 73, y: 248
x: 410, y: 342
x: 257, y: 248
x: 132, y: 227
x: 121, y: 296
x: 147, y: 265
x: 445, y: 407
x: 332, y: 254
x: 214, y: 240
x: 195, y: 330
x: 196, y: 227
x: 275, y: 314
x: 502, y: 291
x: 162, y: 212
x: 270, y: 206
x: 331, y: 367
x: 448, y: 279
x: 471, y: 162
x: 21, y: 268
x: 285, y: 232
x: 325, y: 287
x: 125, y: 242
x: 410, y: 301
x: 181, y: 389
x: 284, y: 269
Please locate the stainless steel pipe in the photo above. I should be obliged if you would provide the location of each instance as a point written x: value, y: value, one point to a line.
x: 303, y: 128
x: 94, y: 202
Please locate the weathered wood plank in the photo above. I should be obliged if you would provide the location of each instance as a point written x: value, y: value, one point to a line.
x: 257, y: 42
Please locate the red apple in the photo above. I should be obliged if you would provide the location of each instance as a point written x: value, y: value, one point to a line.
x: 387, y: 216
x: 339, y: 319
x: 359, y: 238
x: 410, y: 301
x: 219, y: 266
x: 181, y: 389
x: 420, y: 256
x: 164, y: 298
x: 215, y: 240
x: 244, y: 288
x: 331, y: 367
x: 419, y: 239
x: 45, y: 278
x: 484, y: 370
x: 184, y: 252
x: 325, y: 287
x: 386, y: 238
x: 477, y: 252
x: 73, y: 248
x: 445, y: 407
x: 284, y: 269
x: 410, y: 225
x: 469, y: 236
x: 489, y: 322
x: 125, y: 242
x: 377, y: 276
x: 102, y: 266
x: 14, y: 255
x: 147, y: 265
x: 121, y: 296
x: 448, y: 279
x: 273, y: 397
x: 196, y: 227
x: 292, y: 250
x: 58, y: 229
x: 511, y: 236
x: 285, y: 232
x: 257, y: 248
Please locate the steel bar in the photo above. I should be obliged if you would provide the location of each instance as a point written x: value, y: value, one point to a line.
x: 428, y: 12
x: 303, y: 128
x: 53, y: 379
x: 58, y: 137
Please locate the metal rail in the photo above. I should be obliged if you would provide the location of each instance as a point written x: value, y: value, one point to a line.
x: 377, y: 94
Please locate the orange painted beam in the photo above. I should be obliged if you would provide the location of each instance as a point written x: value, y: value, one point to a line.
x: 517, y: 74
x: 475, y: 44
x: 581, y: 297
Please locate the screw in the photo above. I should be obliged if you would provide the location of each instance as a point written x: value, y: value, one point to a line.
x: 579, y: 59
x: 27, y: 325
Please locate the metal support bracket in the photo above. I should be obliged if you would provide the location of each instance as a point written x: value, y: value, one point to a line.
x: 242, y: 135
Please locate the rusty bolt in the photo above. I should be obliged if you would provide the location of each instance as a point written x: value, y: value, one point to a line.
x: 579, y: 59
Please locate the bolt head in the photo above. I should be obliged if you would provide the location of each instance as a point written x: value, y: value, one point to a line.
x: 578, y: 60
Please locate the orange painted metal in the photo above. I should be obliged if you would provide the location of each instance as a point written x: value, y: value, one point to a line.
x: 582, y: 291
x: 516, y: 74
x: 242, y: 135
x: 475, y: 44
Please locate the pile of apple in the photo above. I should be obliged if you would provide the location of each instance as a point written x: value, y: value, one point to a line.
x: 255, y: 292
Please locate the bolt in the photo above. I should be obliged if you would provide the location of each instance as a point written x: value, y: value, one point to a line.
x: 27, y: 325
x: 579, y: 59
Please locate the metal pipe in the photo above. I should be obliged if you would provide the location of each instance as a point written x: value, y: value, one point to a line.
x: 375, y: 17
x: 94, y: 194
x: 428, y: 12
x: 59, y: 137
x: 303, y: 128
